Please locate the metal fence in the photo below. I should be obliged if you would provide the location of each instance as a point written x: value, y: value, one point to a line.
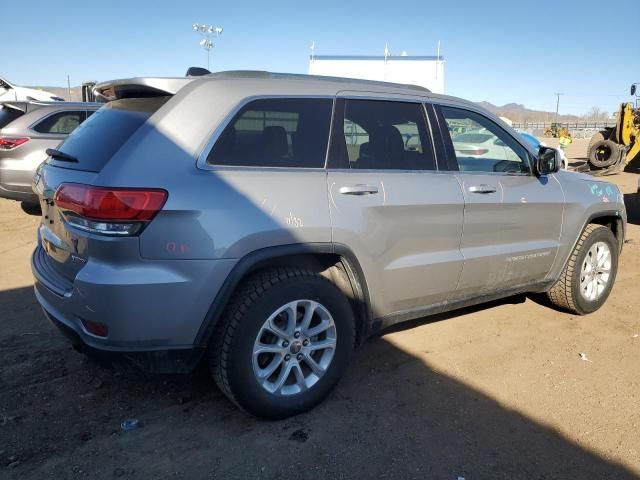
x: 568, y: 125
x: 576, y: 129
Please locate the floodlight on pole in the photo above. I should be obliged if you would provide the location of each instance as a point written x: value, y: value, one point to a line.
x: 208, y: 31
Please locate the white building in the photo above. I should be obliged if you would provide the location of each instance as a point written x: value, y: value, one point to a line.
x: 425, y: 71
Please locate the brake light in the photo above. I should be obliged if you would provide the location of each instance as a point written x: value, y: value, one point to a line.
x: 474, y: 151
x: 119, y: 211
x: 9, y: 143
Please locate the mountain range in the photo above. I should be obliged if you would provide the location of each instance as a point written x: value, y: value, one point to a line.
x: 517, y: 112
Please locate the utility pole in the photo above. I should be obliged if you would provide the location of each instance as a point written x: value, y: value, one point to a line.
x: 557, y: 94
x: 69, y: 87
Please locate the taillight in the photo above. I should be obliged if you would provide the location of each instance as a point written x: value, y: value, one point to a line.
x: 111, y: 211
x: 9, y: 143
x: 473, y: 151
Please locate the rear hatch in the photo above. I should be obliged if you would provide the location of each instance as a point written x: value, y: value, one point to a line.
x: 78, y: 218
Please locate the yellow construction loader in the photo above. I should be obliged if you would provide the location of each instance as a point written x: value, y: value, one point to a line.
x: 610, y: 150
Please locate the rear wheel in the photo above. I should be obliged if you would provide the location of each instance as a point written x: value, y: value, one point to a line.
x: 283, y: 343
x: 588, y: 277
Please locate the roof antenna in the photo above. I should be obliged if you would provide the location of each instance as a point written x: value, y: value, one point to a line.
x: 313, y: 49
x: 386, y: 52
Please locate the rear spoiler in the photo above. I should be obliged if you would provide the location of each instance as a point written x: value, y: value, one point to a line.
x: 20, y: 106
x: 141, y: 87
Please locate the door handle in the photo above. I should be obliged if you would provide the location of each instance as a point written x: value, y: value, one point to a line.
x: 358, y: 190
x: 482, y: 188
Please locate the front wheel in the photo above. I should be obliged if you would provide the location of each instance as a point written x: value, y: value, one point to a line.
x: 587, y: 279
x: 283, y: 343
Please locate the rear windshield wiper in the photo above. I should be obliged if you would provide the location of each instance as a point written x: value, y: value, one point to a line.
x: 58, y: 155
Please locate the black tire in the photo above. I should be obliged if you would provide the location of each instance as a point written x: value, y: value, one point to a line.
x: 565, y: 293
x: 603, y: 154
x: 31, y: 208
x: 595, y: 138
x: 230, y: 354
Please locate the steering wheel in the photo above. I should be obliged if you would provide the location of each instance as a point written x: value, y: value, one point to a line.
x: 507, y: 166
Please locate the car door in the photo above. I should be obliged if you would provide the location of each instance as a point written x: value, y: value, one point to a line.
x: 389, y: 204
x: 512, y: 218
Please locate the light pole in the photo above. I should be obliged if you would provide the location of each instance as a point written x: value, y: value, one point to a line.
x: 207, y: 32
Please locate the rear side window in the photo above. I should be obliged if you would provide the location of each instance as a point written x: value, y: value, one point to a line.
x: 381, y: 135
x: 8, y: 115
x: 61, y: 123
x: 276, y: 132
x: 97, y: 139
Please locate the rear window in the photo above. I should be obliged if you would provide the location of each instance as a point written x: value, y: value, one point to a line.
x: 61, y: 123
x: 276, y: 132
x: 8, y: 115
x: 98, y: 138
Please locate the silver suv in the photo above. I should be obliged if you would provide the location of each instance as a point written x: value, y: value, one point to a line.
x: 268, y: 223
x: 27, y: 129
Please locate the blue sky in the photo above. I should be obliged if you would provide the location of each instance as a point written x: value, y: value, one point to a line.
x: 499, y: 51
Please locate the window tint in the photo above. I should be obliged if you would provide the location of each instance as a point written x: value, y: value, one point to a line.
x: 481, y: 145
x: 379, y: 134
x: 61, y: 123
x: 98, y: 138
x: 282, y: 132
x: 8, y: 115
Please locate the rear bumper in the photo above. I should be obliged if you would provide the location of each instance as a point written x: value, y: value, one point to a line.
x: 15, y: 181
x: 181, y: 360
x: 153, y: 309
x: 28, y: 197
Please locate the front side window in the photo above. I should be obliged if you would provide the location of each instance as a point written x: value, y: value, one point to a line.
x: 480, y: 145
x: 61, y: 123
x: 381, y: 134
x: 276, y: 132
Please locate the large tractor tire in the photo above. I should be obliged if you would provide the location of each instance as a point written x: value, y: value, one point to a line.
x: 603, y: 154
x: 597, y: 137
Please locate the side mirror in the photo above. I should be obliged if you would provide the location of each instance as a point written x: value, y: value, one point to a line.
x: 548, y: 161
x: 633, y: 89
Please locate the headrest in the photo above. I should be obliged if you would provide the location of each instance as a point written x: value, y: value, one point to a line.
x: 274, y: 142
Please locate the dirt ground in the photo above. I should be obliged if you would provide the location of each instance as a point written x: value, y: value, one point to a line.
x: 496, y: 392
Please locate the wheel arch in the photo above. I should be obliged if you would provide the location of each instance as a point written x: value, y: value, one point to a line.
x: 613, y: 222
x: 336, y: 262
x: 611, y: 219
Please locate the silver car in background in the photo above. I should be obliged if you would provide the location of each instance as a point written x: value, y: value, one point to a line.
x: 27, y: 130
x: 266, y: 224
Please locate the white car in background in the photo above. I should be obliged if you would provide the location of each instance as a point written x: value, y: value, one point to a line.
x: 475, y: 147
x: 13, y: 93
x: 481, y: 144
